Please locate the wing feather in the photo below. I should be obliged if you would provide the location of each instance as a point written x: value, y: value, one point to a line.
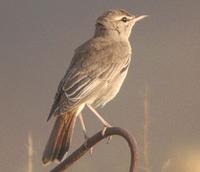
x: 89, y: 70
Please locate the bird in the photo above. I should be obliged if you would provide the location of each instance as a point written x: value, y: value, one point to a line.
x: 93, y: 78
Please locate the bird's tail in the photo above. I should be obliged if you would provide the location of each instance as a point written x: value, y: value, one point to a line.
x: 60, y: 138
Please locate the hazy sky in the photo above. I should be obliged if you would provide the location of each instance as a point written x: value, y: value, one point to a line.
x: 37, y: 39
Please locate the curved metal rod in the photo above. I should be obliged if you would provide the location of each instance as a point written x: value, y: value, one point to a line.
x: 78, y: 153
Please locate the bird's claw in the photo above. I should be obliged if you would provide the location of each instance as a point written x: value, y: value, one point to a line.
x: 103, y: 132
x: 86, y: 142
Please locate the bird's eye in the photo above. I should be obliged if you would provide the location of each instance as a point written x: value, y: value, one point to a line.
x: 124, y: 19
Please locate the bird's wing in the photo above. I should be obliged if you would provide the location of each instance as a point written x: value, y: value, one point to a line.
x: 88, y: 72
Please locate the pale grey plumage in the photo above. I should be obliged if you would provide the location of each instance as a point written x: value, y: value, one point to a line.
x: 94, y: 65
x: 95, y: 74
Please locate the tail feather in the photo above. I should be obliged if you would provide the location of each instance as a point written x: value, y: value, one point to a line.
x: 60, y: 138
x: 66, y: 140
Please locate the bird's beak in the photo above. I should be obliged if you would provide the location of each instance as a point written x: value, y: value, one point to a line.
x: 139, y: 18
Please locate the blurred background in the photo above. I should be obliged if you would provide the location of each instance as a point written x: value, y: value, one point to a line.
x: 37, y: 40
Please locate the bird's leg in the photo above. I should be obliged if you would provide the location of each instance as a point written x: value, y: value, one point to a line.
x: 84, y: 131
x: 83, y: 125
x: 104, y: 122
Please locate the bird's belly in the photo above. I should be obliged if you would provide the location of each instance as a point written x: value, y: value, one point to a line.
x: 109, y: 90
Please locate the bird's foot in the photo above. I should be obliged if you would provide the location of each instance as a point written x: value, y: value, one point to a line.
x: 86, y: 144
x: 107, y: 125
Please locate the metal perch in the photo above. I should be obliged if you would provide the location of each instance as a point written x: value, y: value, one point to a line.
x: 78, y: 153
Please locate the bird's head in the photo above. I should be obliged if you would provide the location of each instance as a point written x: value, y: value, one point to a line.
x: 116, y: 23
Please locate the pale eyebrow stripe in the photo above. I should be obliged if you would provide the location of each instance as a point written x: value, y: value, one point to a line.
x: 120, y: 17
